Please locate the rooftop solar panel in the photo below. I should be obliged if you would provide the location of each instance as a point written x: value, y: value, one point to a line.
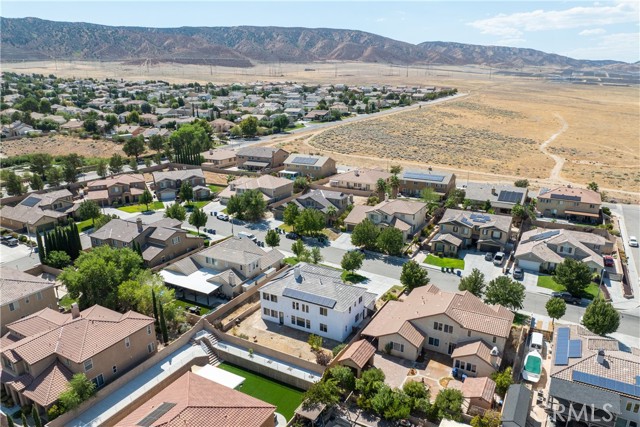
x: 310, y: 298
x: 509, y: 196
x: 156, y: 414
x: 606, y: 383
x: 423, y: 176
x: 305, y: 160
x: 575, y: 348
x: 565, y: 197
x: 546, y: 235
x: 30, y: 201
x: 562, y: 347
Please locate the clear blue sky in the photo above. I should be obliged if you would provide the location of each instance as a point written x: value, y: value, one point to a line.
x: 584, y: 30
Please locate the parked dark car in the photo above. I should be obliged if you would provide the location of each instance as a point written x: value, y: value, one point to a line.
x: 293, y: 236
x: 518, y: 274
x: 10, y: 241
x: 567, y: 297
x: 488, y: 256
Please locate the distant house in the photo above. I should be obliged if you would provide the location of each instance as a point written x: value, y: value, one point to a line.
x: 413, y: 182
x: 294, y: 113
x: 230, y: 267
x: 502, y: 197
x: 318, y: 115
x: 271, y: 187
x: 359, y: 179
x: 122, y: 189
x: 160, y: 241
x: 314, y: 299
x: 407, y: 216
x: 221, y: 157
x: 167, y: 183
x: 576, y: 204
x: 18, y: 128
x: 542, y: 249
x: 321, y: 200
x: 38, y: 211
x: 259, y: 158
x: 308, y: 165
x: 22, y: 294
x: 465, y: 229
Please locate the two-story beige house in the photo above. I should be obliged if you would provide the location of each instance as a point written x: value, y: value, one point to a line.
x: 160, y: 241
x: 272, y: 188
x: 230, y: 267
x: 360, y: 179
x: 457, y: 324
x: 42, y: 352
x: 407, y: 216
x: 38, y: 211
x: 543, y: 249
x: 22, y: 294
x: 413, y: 182
x: 261, y: 158
x: 167, y: 183
x: 322, y: 200
x: 465, y: 229
x: 221, y: 157
x: 121, y: 189
x: 308, y: 165
x: 575, y: 204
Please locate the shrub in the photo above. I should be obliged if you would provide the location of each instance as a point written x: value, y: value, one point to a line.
x: 337, y: 349
x: 323, y: 358
x: 22, y: 238
x: 54, y: 412
x: 243, y: 336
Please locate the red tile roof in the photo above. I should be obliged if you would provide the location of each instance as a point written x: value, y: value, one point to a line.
x: 46, y: 387
x: 359, y: 353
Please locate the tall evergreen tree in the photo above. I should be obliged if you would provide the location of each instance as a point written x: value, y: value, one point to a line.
x: 41, y: 253
x: 155, y: 309
x: 36, y: 417
x: 163, y: 325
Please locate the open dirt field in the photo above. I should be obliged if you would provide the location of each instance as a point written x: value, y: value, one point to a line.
x: 59, y: 145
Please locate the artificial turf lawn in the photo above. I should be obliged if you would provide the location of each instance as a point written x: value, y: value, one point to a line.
x: 153, y: 206
x: 445, y: 262
x: 284, y: 397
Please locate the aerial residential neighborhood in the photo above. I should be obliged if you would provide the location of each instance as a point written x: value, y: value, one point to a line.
x: 208, y: 247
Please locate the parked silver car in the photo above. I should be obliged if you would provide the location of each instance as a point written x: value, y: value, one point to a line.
x: 498, y: 259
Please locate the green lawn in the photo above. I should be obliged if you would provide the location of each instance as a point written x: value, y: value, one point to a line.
x: 284, y: 397
x: 291, y: 260
x: 216, y: 188
x: 186, y: 304
x: 200, y: 203
x: 445, y: 262
x: 591, y: 291
x: 287, y: 228
x: 83, y: 225
x: 521, y: 319
x: 352, y: 277
x: 154, y: 206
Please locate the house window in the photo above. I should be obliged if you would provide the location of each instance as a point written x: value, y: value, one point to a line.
x: 496, y: 234
x: 150, y: 347
x: 39, y: 296
x: 305, y: 308
x: 636, y: 408
x: 265, y: 311
x: 274, y: 313
x: 470, y: 367
x: 295, y: 305
x: 468, y: 333
x: 13, y: 306
x: 434, y: 342
x: 448, y: 329
x: 357, y: 317
x: 148, y: 329
x: 398, y: 347
x: 323, y: 327
x: 88, y: 365
x: 127, y: 342
x: 485, y: 232
x: 98, y: 381
x: 323, y: 311
x: 308, y: 323
x: 360, y: 300
x: 349, y: 310
x: 274, y: 298
x: 293, y: 320
x: 26, y: 300
x: 455, y: 228
x: 265, y: 296
x: 457, y: 364
x: 7, y: 363
x: 494, y: 340
x: 175, y: 240
x: 437, y: 326
x: 465, y: 231
x: 114, y: 369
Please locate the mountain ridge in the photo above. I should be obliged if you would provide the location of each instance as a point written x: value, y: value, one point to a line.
x: 241, y: 46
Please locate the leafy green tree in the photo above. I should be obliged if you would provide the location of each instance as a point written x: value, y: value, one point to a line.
x: 448, y: 404
x: 473, y: 283
x: 186, y: 192
x: 163, y: 325
x: 395, y: 169
x: 487, y: 205
x: 503, y: 380
x: 272, y: 239
x: 36, y: 417
x: 281, y: 122
x: 301, y: 183
x: 489, y: 419
x: 390, y: 240
x: 556, y: 307
x: 352, y: 261
x: 70, y: 165
x: 601, y: 317
x: 431, y: 198
x: 344, y: 376
x: 298, y: 248
x: 413, y: 276
x: 101, y: 168
x: 506, y: 292
x: 116, y: 163
x: 249, y: 126
x: 310, y: 221
x: 146, y: 197
x: 365, y: 234
x: 54, y: 176
x: 390, y: 404
x: 89, y: 210
x: 190, y: 136
x: 418, y: 395
x: 156, y: 142
x: 58, y: 259
x: 593, y: 186
x: 198, y: 218
x: 394, y: 182
x: 315, y: 342
x: 45, y: 106
x: 290, y: 214
x: 574, y: 275
x: 79, y: 389
x: 154, y: 302
x: 10, y: 420
x: 323, y: 392
x: 40, y: 163
x: 176, y: 211
x: 14, y: 184
x: 455, y: 198
x: 133, y: 117
x: 90, y: 125
x: 316, y: 255
x: 521, y: 183
x: 42, y: 255
x: 518, y: 212
x: 36, y: 182
x: 250, y: 205
x: 134, y: 147
x: 112, y: 121
x: 368, y: 385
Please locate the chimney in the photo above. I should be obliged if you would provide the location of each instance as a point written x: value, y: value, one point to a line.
x: 493, y: 191
x: 296, y: 272
x: 386, y: 197
x: 600, y: 357
x: 75, y: 310
x: 232, y: 279
x: 210, y: 151
x: 494, y: 356
x: 357, y: 172
x: 139, y: 224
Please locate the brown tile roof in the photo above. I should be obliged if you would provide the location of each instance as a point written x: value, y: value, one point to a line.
x: 482, y: 388
x: 40, y: 321
x: 463, y: 307
x: 119, y: 179
x: 411, y: 334
x: 464, y: 218
x: 16, y: 284
x: 478, y: 348
x: 46, y: 387
x: 359, y: 353
x: 95, y: 330
x: 586, y: 196
x: 200, y: 402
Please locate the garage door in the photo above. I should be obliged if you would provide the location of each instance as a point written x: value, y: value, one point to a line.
x: 529, y: 265
x: 488, y: 248
x: 167, y: 195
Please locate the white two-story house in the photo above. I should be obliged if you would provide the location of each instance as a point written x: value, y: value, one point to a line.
x: 314, y: 299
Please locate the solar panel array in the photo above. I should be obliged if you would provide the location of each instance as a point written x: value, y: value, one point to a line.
x: 565, y: 197
x: 479, y: 218
x: 423, y: 176
x: 30, y: 201
x: 310, y: 298
x: 562, y: 347
x: 546, y: 235
x: 156, y: 414
x: 638, y: 380
x: 606, y: 383
x: 575, y: 348
x: 305, y: 160
x: 509, y: 196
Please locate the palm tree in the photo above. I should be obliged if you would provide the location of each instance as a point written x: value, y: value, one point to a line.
x: 331, y: 213
x: 394, y: 181
x: 381, y: 188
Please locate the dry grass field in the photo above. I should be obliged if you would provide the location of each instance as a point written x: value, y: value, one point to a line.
x: 59, y: 145
x: 495, y: 133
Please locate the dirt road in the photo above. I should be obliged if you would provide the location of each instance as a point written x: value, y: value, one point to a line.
x: 555, y: 172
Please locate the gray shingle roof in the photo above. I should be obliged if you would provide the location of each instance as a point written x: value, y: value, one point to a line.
x: 180, y: 174
x: 517, y: 405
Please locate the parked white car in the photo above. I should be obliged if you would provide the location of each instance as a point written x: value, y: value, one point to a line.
x: 498, y: 259
x: 633, y: 241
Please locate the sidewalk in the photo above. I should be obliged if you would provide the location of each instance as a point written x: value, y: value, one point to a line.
x: 633, y: 303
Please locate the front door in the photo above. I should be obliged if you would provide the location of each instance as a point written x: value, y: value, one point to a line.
x: 281, y: 318
x: 452, y: 347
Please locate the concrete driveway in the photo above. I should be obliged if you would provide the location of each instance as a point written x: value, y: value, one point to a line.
x: 476, y: 260
x: 20, y: 257
x: 343, y: 242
